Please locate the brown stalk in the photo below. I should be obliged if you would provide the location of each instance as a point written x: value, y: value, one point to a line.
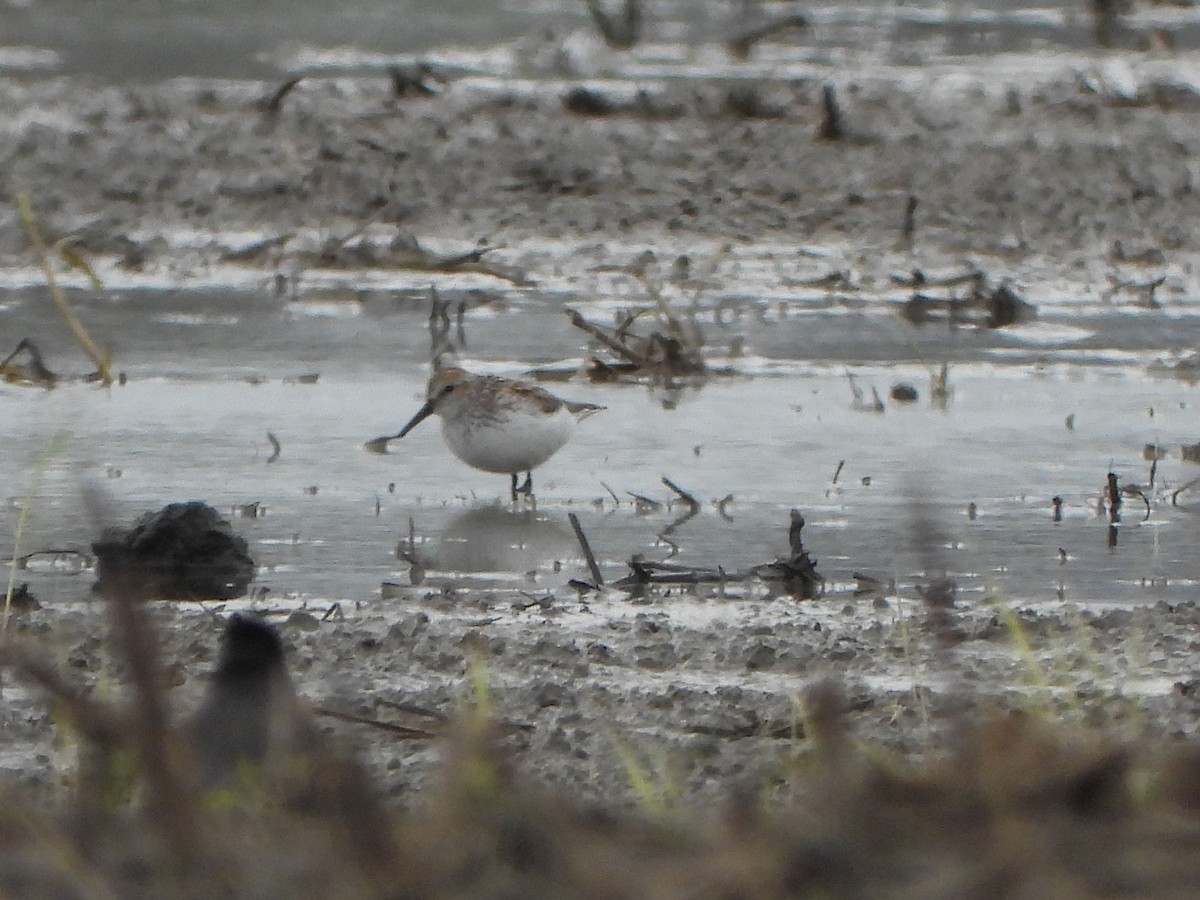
x: 171, y: 801
x: 29, y: 219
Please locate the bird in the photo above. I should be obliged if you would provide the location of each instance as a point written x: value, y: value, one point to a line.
x: 501, y: 425
x: 253, y: 738
x: 251, y: 714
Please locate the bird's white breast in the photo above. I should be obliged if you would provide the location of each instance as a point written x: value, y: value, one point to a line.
x: 517, y: 441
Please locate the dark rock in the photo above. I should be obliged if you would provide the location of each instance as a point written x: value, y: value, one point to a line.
x: 185, y: 551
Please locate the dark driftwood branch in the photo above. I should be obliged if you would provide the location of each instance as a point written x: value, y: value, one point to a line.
x: 604, y: 338
x: 1132, y: 490
x: 597, y: 578
x: 796, y: 572
x: 683, y: 495
x: 832, y: 127
x: 35, y: 371
x: 1113, y: 494
x: 1187, y: 487
x: 275, y: 103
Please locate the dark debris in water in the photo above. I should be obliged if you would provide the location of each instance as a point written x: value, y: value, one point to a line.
x: 796, y: 574
x: 26, y: 366
x: 983, y: 306
x: 670, y: 353
x: 22, y: 599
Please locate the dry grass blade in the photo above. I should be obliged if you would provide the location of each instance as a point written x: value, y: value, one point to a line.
x: 22, y: 521
x: 97, y: 722
x: 81, y: 877
x: 102, y: 360
x: 403, y: 732
x: 172, y: 801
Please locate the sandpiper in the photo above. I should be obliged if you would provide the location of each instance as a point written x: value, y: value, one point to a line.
x: 497, y: 424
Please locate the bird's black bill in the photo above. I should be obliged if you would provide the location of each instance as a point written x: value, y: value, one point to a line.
x: 379, y: 444
x: 422, y: 414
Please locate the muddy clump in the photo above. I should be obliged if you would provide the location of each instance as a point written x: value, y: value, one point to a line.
x: 184, y: 551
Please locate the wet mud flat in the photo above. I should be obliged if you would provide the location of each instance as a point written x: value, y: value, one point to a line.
x: 635, y: 708
x: 1074, y: 164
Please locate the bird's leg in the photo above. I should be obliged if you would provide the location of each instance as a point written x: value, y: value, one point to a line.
x: 525, y: 489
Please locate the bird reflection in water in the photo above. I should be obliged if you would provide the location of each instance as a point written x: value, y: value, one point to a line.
x: 494, y: 539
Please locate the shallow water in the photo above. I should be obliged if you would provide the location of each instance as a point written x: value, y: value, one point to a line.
x: 211, y: 372
x: 125, y: 41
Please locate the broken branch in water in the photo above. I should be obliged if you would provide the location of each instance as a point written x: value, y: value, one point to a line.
x: 275, y: 102
x: 797, y: 572
x: 644, y: 504
x: 403, y: 252
x: 1187, y: 487
x: 1132, y: 490
x: 599, y: 334
x: 413, y: 79
x: 670, y: 352
x: 683, y: 495
x: 593, y: 568
x: 832, y: 127
x: 33, y: 372
x: 1146, y: 288
x: 983, y: 307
